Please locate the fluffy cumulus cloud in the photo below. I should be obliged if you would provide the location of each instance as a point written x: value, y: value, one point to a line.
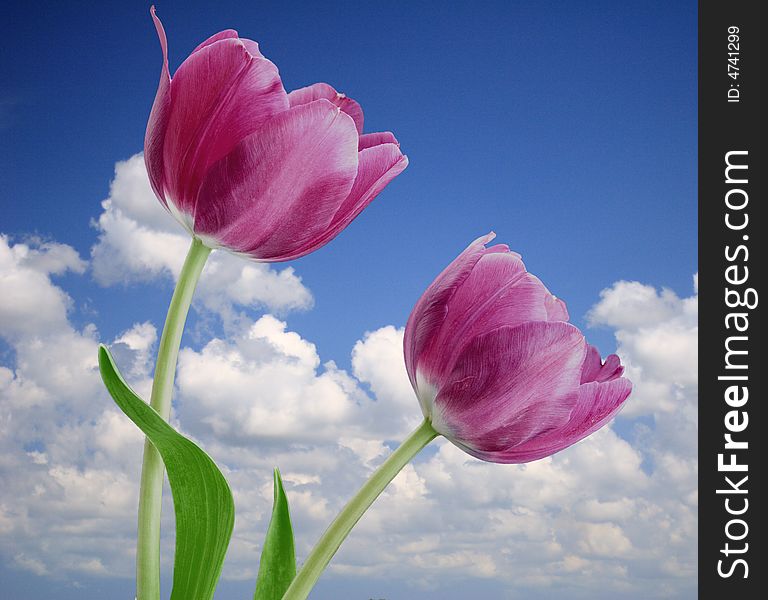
x: 65, y: 475
x: 29, y: 304
x: 612, y: 517
x: 657, y: 336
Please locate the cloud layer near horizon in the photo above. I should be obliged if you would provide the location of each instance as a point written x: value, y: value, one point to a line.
x: 614, y: 516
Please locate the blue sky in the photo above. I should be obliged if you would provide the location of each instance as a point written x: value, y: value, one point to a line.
x: 569, y: 128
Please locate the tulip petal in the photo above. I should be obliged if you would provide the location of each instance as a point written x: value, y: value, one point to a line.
x: 250, y: 45
x: 280, y: 188
x: 498, y: 292
x: 377, y: 167
x: 219, y: 95
x: 317, y: 91
x: 222, y: 35
x: 597, y: 404
x: 253, y: 49
x: 595, y: 370
x: 510, y: 385
x: 368, y: 140
x: 556, y: 309
x: 158, y: 120
x: 431, y: 309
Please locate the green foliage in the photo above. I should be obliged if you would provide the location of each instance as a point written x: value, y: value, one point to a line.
x: 202, y: 500
x: 277, y: 567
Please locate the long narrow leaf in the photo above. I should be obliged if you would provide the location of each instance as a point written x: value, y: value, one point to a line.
x: 202, y: 500
x: 277, y: 567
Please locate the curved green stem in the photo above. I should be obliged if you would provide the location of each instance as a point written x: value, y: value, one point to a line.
x: 152, y: 470
x: 330, y: 541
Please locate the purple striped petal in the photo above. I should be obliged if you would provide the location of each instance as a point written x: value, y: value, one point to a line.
x: 220, y: 94
x: 251, y: 46
x: 323, y: 90
x: 222, y: 35
x: 556, y: 309
x: 368, y: 140
x: 430, y: 311
x: 377, y: 167
x: 498, y: 292
x: 595, y: 370
x: 157, y: 125
x: 596, y: 405
x: 510, y: 385
x: 280, y: 188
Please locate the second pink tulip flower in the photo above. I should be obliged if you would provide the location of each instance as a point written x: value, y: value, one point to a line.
x: 497, y: 368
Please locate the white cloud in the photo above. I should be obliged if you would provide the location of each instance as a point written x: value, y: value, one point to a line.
x: 613, y: 516
x: 657, y: 334
x: 139, y: 241
x: 30, y: 564
x: 137, y: 343
x: 264, y: 385
x: 66, y: 472
x: 29, y: 303
x: 49, y: 257
x: 631, y: 304
x: 377, y: 359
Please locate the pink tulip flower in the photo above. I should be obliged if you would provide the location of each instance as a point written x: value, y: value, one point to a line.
x: 245, y: 166
x: 497, y: 368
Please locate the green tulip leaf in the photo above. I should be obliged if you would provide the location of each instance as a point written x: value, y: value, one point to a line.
x: 277, y: 567
x: 202, y: 500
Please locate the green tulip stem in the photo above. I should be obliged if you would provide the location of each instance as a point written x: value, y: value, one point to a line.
x: 152, y: 470
x: 333, y: 537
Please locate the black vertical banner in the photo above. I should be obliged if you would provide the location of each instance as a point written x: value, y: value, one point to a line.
x: 733, y: 222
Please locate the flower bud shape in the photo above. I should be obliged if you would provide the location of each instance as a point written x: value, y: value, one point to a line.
x: 496, y: 366
x: 245, y: 166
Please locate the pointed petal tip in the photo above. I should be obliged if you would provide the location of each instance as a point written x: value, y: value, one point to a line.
x: 324, y: 90
x: 369, y: 140
x: 160, y: 32
x: 484, y: 239
x: 227, y: 34
x: 496, y: 248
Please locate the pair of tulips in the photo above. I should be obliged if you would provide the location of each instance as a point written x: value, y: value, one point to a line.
x: 245, y: 166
